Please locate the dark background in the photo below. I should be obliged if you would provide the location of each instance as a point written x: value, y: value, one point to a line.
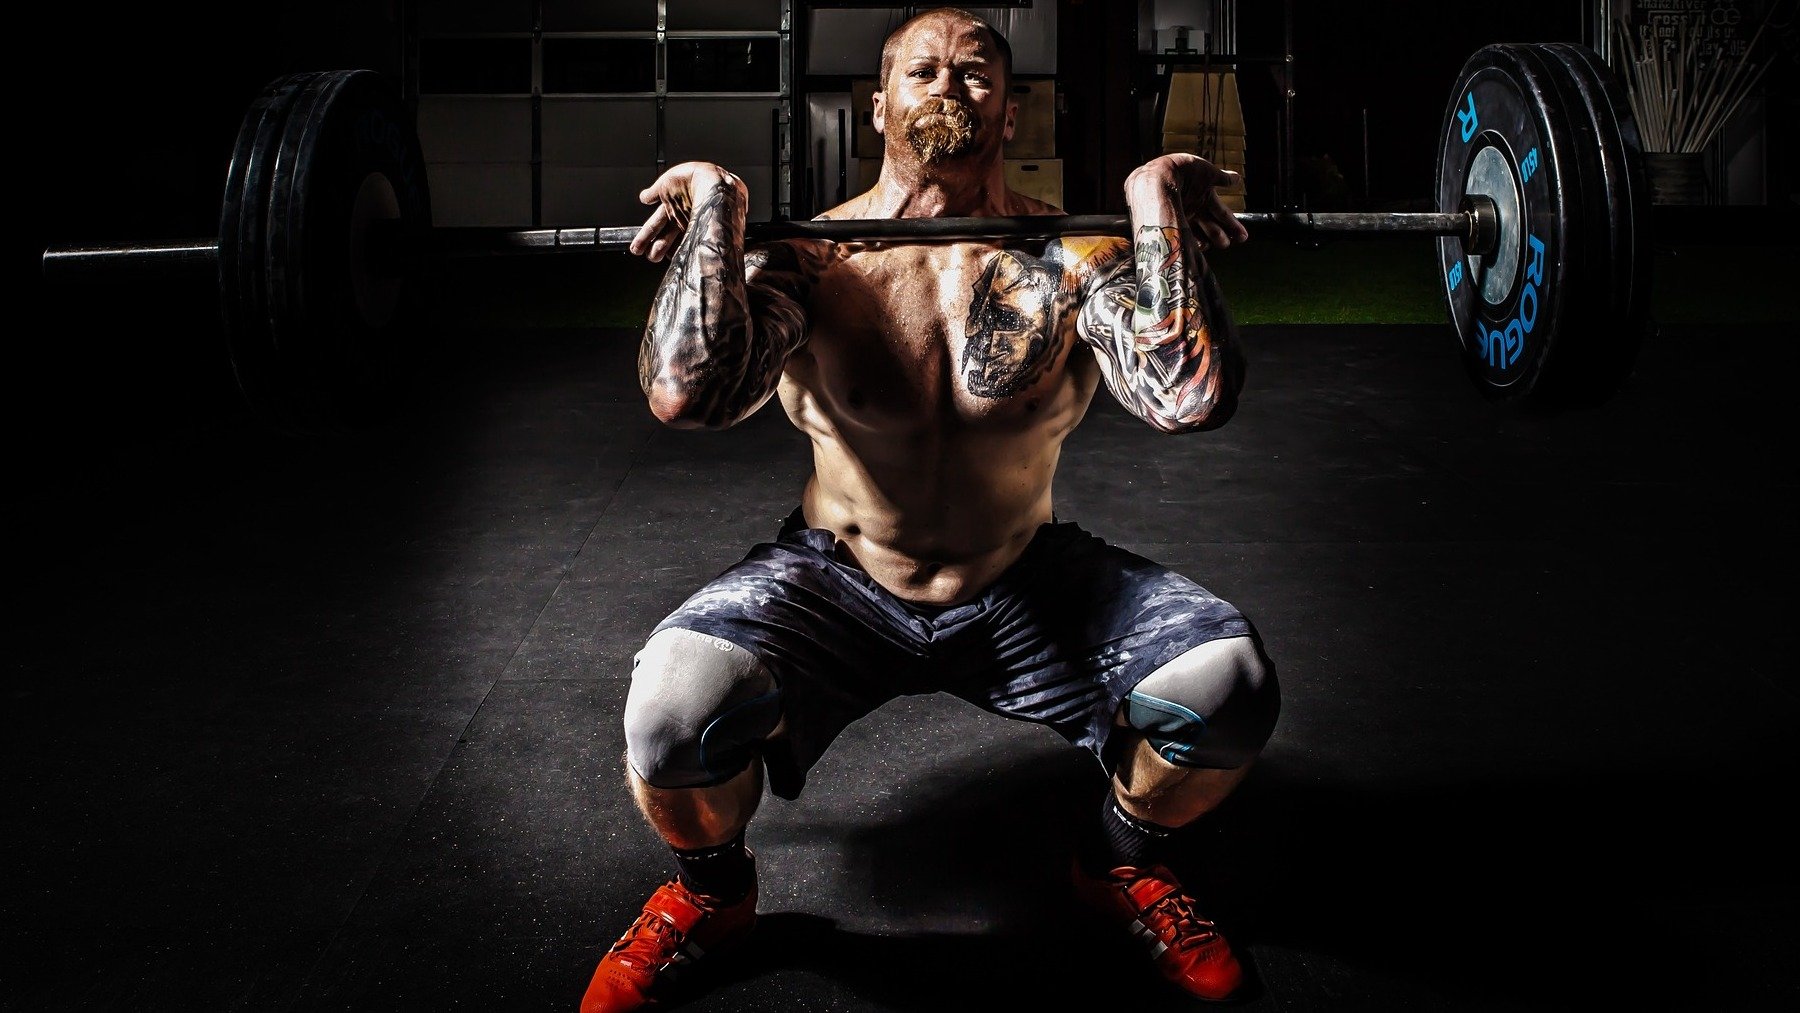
x: 132, y: 140
x: 226, y: 636
x: 1398, y: 61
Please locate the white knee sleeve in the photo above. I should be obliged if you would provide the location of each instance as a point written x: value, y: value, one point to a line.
x: 698, y: 709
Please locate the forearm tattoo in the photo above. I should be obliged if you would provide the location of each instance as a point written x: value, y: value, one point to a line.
x: 1161, y: 355
x: 723, y: 322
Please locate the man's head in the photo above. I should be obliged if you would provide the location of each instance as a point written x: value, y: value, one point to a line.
x: 943, y: 96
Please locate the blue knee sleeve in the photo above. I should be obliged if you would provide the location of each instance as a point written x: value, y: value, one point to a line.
x: 1213, y: 707
x: 1175, y: 732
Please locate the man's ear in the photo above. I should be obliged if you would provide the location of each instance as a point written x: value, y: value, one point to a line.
x: 878, y: 116
x: 1012, y: 112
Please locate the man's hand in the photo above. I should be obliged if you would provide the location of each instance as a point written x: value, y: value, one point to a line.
x: 724, y: 320
x: 676, y: 193
x: 1182, y: 187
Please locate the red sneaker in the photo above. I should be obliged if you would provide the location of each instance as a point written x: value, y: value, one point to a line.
x: 1186, y: 947
x: 676, y: 928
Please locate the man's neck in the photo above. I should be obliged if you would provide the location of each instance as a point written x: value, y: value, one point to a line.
x: 907, y: 189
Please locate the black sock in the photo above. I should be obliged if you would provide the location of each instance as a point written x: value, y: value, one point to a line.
x: 1119, y: 838
x: 723, y: 872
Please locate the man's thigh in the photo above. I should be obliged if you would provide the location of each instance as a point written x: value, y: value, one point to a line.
x: 820, y: 634
x: 1078, y: 630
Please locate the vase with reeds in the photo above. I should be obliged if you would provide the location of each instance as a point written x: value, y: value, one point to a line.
x: 1683, y: 89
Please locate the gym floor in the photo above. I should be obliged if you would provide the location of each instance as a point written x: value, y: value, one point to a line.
x: 301, y: 725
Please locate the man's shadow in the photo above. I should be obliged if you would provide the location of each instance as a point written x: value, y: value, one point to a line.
x: 1491, y: 894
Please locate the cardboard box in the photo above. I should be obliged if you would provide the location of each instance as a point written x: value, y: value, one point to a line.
x: 1182, y: 39
x: 1036, y: 177
x: 864, y: 141
x: 1203, y: 101
x: 1226, y: 151
x: 1034, y: 126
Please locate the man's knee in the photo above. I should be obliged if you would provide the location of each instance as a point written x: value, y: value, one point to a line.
x: 698, y: 711
x: 1214, y: 706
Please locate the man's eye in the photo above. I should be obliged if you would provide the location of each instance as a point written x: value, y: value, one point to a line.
x: 978, y: 78
x: 923, y: 72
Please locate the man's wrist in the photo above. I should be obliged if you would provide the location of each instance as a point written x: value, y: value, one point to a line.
x: 711, y: 181
x: 1151, y: 215
x: 1152, y: 202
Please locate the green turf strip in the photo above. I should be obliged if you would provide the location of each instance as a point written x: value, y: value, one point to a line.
x: 1374, y: 282
x: 1397, y: 283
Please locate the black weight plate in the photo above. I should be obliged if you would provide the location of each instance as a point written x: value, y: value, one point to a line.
x: 304, y: 405
x: 342, y: 328
x: 1500, y: 102
x: 1623, y: 309
x: 243, y: 231
x: 1572, y: 370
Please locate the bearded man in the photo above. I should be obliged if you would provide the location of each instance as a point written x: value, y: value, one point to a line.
x: 937, y: 382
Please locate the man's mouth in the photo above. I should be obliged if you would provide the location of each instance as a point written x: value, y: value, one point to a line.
x: 940, y: 129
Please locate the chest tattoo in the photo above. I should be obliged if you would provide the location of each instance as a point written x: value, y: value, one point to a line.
x: 1010, y: 335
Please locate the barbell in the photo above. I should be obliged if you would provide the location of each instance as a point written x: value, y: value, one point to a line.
x: 325, y: 233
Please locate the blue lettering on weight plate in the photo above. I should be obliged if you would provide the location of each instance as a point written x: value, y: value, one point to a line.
x: 1502, y: 346
x: 1470, y: 122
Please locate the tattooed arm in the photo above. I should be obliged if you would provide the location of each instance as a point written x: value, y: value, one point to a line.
x: 724, y: 321
x: 1151, y: 310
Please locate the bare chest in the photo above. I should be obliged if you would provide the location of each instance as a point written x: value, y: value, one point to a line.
x: 954, y: 333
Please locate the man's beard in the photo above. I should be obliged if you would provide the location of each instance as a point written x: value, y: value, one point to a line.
x: 939, y: 129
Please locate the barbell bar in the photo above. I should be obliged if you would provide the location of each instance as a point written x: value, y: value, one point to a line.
x: 325, y: 232
x: 1476, y: 226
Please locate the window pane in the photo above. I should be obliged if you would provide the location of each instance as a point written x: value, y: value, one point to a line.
x: 734, y: 132
x: 600, y: 131
x: 599, y: 15
x: 443, y: 16
x: 848, y: 42
x: 477, y: 66
x: 458, y: 129
x: 599, y: 65
x: 724, y: 65
x: 718, y: 15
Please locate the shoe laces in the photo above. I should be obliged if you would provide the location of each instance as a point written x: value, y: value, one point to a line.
x: 1191, y: 927
x: 649, y: 942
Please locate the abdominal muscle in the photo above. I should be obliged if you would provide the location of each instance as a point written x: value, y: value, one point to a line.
x: 935, y: 511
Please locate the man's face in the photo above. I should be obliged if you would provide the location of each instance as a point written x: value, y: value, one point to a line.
x: 944, y: 98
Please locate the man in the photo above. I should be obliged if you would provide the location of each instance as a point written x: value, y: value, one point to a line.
x: 937, y: 382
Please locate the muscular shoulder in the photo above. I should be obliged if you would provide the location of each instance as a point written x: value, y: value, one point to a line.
x: 1025, y: 204
x: 856, y: 207
x: 783, y: 256
x: 1090, y: 260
